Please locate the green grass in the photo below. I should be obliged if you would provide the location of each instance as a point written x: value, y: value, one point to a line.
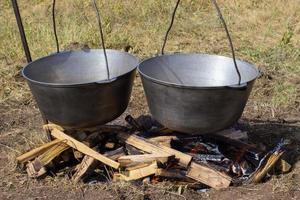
x: 266, y: 33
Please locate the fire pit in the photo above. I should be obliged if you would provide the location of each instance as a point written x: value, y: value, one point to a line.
x: 145, y: 149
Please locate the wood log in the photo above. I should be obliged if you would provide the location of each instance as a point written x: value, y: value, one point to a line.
x: 164, y: 140
x: 260, y: 173
x: 130, y: 160
x: 51, y: 126
x: 36, y: 168
x: 142, y: 172
x: 88, y: 163
x: 51, y: 153
x: 83, y: 148
x: 208, y: 176
x: 136, y: 174
x: 152, y: 147
x: 36, y: 152
x: 35, y: 171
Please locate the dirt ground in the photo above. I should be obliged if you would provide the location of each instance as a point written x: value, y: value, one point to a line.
x: 26, y: 120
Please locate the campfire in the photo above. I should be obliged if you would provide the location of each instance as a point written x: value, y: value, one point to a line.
x: 145, y: 150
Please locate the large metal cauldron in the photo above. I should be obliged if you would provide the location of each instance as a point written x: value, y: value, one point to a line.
x: 196, y: 93
x: 72, y: 90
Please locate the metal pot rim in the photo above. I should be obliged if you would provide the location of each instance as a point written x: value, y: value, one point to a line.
x: 78, y: 84
x: 166, y: 83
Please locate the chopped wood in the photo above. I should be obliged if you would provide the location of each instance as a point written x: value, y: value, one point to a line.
x: 36, y: 152
x: 86, y: 164
x: 35, y: 171
x: 136, y: 174
x: 131, y: 150
x: 52, y: 152
x: 138, y: 166
x: 208, y: 176
x: 142, y: 172
x: 130, y: 160
x: 36, y: 168
x: 152, y: 147
x: 78, y: 155
x: 260, y: 173
x: 89, y: 163
x: 285, y: 166
x: 83, y: 148
x: 164, y: 140
x: 52, y: 126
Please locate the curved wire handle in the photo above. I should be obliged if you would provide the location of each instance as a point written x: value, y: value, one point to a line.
x: 54, y: 25
x: 169, y: 29
x: 100, y: 29
x: 102, y: 37
x: 229, y: 39
x: 225, y: 27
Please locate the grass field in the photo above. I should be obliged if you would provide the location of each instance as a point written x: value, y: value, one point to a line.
x: 265, y: 33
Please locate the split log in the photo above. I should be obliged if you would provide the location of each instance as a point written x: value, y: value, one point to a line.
x: 37, y: 151
x: 136, y: 174
x: 51, y: 153
x: 83, y: 148
x: 88, y: 163
x: 36, y: 168
x: 164, y: 140
x: 51, y: 126
x: 152, y: 147
x: 261, y: 172
x: 208, y: 176
x: 130, y: 160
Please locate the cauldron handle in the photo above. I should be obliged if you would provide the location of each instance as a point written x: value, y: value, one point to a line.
x: 24, y: 40
x: 102, y: 38
x: 100, y: 30
x: 224, y: 25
